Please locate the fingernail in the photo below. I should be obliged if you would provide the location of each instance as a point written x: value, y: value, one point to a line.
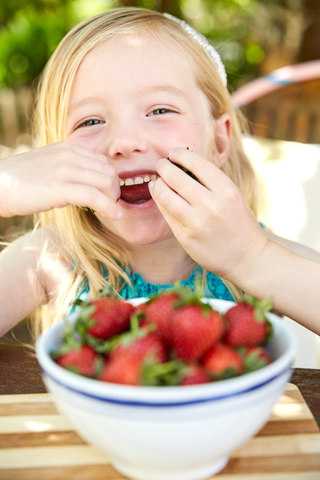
x: 150, y: 185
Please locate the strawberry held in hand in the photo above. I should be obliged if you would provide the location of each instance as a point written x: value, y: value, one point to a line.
x: 247, y: 323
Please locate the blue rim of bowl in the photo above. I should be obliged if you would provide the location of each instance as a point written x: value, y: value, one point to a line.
x: 135, y: 403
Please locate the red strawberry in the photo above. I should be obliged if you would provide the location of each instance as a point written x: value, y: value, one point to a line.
x: 222, y: 361
x: 247, y: 323
x: 255, y: 358
x: 82, y: 360
x: 127, y: 360
x: 141, y: 309
x: 146, y: 346
x: 193, y: 375
x: 110, y: 316
x: 124, y: 369
x: 159, y: 313
x: 195, y: 328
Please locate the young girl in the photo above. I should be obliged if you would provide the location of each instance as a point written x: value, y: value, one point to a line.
x: 124, y: 91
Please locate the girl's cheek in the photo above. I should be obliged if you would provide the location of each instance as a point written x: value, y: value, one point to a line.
x: 93, y: 143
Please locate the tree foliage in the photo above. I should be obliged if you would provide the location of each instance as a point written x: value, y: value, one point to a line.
x: 247, y: 33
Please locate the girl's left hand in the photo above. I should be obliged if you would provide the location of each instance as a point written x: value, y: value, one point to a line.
x: 210, y: 218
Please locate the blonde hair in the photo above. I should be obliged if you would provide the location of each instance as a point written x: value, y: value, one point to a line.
x: 88, y: 245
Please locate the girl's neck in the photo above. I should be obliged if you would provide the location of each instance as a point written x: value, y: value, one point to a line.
x: 163, y: 263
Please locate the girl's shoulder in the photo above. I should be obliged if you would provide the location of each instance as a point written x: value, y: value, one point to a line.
x: 40, y: 240
x: 31, y: 268
x: 42, y: 250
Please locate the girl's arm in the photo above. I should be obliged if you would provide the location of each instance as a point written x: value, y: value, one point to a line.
x: 31, y: 269
x: 291, y: 279
x: 294, y: 246
x: 216, y: 227
x: 36, y: 181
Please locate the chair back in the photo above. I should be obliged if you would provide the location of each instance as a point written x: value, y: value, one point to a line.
x: 284, y: 105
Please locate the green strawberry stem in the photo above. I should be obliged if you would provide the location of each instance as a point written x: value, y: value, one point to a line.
x: 162, y: 374
x: 261, y: 307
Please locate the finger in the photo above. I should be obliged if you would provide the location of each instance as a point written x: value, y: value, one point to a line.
x: 204, y: 170
x: 171, y: 205
x: 107, y: 185
x: 86, y: 152
x: 76, y: 154
x: 180, y: 182
x: 87, y: 196
x: 174, y: 177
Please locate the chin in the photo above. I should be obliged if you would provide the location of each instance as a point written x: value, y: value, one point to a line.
x: 144, y: 230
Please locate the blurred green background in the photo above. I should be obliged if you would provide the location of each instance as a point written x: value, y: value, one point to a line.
x: 253, y: 36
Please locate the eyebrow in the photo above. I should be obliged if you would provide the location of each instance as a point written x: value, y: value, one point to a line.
x: 83, y: 102
x: 150, y: 89
x: 165, y: 88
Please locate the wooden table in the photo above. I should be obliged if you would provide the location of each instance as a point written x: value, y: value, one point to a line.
x: 286, y: 448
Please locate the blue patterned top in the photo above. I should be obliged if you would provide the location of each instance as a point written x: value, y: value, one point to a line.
x: 215, y: 288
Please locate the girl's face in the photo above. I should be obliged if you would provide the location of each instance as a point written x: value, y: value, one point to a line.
x: 133, y: 100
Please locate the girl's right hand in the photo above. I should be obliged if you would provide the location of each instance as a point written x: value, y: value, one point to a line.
x: 55, y: 176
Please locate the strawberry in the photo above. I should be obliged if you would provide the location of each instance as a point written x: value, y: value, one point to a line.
x: 195, y: 328
x: 141, y: 309
x: 222, y: 361
x: 82, y: 360
x: 247, y: 323
x: 194, y: 375
x: 124, y: 369
x: 146, y: 346
x: 255, y: 358
x: 159, y: 313
x: 108, y: 317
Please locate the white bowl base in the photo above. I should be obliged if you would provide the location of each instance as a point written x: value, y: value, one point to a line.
x: 189, y: 474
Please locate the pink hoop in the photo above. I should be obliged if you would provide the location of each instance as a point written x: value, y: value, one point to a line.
x: 300, y: 72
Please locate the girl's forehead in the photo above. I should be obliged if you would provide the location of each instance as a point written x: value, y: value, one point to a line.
x: 142, y: 44
x: 131, y: 62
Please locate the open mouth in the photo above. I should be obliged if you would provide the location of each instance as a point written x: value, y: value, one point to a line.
x: 135, y: 190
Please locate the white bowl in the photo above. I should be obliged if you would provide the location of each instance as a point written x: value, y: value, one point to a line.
x: 170, y: 433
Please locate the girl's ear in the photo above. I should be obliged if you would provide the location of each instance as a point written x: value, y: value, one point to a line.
x: 222, y: 138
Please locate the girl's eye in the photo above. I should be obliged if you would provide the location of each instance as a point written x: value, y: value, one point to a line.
x: 90, y: 123
x: 160, y: 111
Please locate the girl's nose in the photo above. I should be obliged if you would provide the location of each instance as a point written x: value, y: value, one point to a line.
x: 125, y: 140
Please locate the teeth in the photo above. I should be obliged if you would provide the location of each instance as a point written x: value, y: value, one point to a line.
x: 138, y: 180
x: 129, y: 181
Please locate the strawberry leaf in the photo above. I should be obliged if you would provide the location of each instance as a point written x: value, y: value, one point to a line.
x: 161, y: 374
x: 261, y: 307
x: 107, y: 291
x: 227, y: 373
